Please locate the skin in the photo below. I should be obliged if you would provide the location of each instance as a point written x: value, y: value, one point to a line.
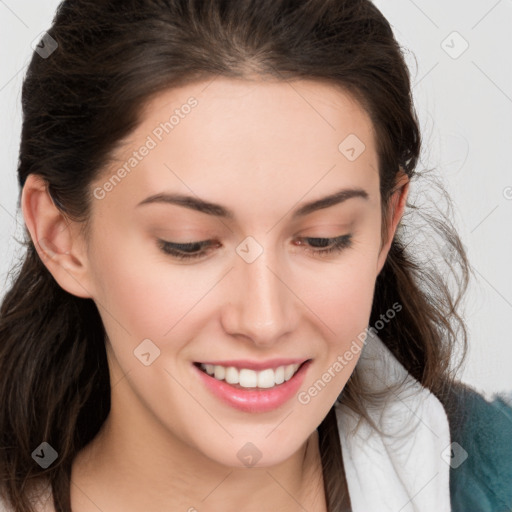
x: 261, y: 149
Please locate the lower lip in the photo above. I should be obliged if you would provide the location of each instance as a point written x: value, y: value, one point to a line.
x: 255, y: 400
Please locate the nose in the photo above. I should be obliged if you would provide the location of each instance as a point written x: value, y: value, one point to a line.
x: 260, y: 304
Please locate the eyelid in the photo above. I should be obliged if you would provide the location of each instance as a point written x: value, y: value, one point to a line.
x: 178, y: 250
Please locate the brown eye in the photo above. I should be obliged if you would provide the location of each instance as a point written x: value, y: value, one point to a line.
x: 324, y: 246
x: 317, y: 246
x: 184, y: 250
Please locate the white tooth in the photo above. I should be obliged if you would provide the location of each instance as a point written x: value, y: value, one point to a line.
x: 288, y: 371
x: 220, y: 372
x: 279, y: 375
x: 248, y: 378
x: 266, y: 378
x: 232, y: 376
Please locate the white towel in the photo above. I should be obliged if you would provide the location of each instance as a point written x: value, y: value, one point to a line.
x: 408, y: 472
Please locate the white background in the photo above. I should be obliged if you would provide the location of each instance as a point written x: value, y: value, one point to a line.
x: 465, y: 109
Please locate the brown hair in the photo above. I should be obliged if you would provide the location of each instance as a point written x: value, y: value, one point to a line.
x: 84, y: 98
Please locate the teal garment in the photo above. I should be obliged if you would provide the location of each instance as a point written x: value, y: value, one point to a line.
x: 483, y: 481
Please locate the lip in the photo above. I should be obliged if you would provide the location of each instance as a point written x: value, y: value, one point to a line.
x: 256, y: 365
x: 250, y: 399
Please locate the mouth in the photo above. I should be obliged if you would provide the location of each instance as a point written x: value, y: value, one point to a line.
x: 242, y: 377
x: 252, y: 391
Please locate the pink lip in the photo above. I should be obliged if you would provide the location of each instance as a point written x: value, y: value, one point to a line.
x: 254, y: 400
x: 256, y: 365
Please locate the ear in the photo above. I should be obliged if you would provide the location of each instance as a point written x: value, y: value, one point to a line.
x: 395, y: 211
x: 56, y: 239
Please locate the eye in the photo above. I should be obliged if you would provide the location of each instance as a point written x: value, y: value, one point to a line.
x: 317, y: 246
x: 187, y: 250
x: 326, y: 246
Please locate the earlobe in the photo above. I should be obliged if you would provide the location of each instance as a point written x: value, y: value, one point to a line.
x: 395, y: 212
x: 54, y: 237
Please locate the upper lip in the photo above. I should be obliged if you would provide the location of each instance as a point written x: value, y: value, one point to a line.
x: 257, y: 365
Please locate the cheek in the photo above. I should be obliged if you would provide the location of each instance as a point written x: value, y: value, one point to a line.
x: 343, y: 297
x: 138, y: 291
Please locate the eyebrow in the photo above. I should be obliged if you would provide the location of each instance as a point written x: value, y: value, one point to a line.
x: 218, y: 210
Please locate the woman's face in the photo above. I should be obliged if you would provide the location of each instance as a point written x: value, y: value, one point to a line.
x: 261, y: 288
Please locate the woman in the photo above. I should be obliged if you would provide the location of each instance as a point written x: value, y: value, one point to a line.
x: 218, y: 309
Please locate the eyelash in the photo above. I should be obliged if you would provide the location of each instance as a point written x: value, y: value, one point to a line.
x: 179, y: 251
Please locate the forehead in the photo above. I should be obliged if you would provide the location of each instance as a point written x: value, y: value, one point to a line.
x: 223, y: 135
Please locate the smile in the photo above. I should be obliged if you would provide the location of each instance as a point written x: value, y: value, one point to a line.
x: 247, y: 378
x: 279, y: 385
